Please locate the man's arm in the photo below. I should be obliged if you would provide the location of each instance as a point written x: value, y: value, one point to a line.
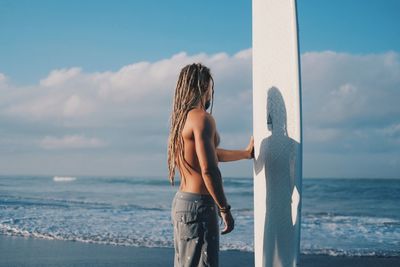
x: 205, y: 149
x: 231, y: 155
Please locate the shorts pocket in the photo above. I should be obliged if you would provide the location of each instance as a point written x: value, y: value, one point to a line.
x: 189, y: 225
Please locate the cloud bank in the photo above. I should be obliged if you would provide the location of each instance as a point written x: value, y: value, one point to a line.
x: 350, y: 113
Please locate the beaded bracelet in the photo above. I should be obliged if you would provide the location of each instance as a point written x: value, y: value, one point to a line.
x: 225, y: 209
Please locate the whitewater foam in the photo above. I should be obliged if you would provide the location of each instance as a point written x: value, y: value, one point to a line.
x: 63, y: 179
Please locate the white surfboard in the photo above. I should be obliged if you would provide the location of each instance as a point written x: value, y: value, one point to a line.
x: 277, y: 133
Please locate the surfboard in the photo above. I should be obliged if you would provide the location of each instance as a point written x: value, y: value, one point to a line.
x: 277, y: 130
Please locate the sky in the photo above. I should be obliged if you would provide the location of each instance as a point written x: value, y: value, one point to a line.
x: 86, y: 86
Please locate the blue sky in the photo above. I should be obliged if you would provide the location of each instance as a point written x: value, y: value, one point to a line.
x: 77, y: 48
x: 104, y: 35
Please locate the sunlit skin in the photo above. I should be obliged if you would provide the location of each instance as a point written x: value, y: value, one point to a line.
x: 201, y: 139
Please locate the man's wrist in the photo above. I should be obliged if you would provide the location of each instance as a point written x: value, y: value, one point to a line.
x: 225, y: 209
x: 245, y: 154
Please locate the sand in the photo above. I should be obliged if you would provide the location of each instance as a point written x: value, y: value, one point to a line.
x: 32, y: 252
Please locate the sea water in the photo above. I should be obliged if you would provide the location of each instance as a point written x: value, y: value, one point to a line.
x: 339, y: 216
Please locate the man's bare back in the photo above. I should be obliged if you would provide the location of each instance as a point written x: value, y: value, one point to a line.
x: 200, y: 124
x: 200, y: 174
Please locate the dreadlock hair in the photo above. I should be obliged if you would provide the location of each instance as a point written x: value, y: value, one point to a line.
x: 192, y: 84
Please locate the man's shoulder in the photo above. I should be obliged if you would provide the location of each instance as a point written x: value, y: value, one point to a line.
x: 200, y: 117
x: 200, y: 114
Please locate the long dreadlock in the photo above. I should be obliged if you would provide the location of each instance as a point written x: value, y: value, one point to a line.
x: 193, y: 82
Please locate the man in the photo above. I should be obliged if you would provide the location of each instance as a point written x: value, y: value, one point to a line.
x: 192, y: 147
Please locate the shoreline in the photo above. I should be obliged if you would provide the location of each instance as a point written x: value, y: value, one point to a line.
x: 35, y: 252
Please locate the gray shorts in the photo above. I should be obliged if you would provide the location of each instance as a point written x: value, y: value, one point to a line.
x: 196, y: 230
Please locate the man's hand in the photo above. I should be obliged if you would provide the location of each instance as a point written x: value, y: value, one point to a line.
x: 228, y: 220
x: 250, y: 148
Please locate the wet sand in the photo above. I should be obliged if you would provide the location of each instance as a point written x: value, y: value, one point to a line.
x: 33, y: 252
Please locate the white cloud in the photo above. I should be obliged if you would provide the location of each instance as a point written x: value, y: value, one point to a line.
x: 3, y: 83
x: 134, y: 91
x: 3, y: 78
x: 341, y: 88
x: 348, y: 99
x: 75, y: 106
x: 392, y: 130
x: 52, y: 105
x: 391, y: 133
x: 60, y: 76
x: 70, y: 142
x: 350, y: 103
x: 318, y: 135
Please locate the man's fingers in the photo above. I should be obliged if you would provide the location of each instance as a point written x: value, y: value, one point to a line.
x: 227, y: 229
x: 224, y: 231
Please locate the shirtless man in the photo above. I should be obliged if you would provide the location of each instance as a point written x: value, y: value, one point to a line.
x: 200, y: 176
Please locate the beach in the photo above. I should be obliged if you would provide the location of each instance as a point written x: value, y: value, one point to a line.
x: 114, y: 221
x: 35, y: 252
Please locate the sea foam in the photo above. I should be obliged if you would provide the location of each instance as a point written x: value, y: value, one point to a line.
x: 63, y: 178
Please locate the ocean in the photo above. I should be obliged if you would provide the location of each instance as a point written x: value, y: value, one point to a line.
x: 353, y: 217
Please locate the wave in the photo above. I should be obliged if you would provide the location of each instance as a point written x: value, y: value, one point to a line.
x: 64, y: 203
x: 350, y: 253
x: 337, y: 220
x: 136, y: 181
x: 345, y: 218
x: 109, y: 239
x: 63, y: 178
x: 230, y: 182
x: 168, y: 243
